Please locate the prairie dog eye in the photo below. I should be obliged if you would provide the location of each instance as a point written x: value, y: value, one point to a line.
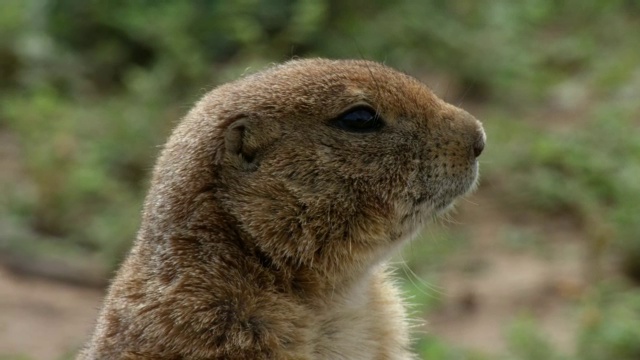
x: 359, y: 119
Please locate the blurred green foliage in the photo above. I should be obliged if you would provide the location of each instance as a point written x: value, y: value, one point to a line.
x: 610, y: 326
x: 589, y: 172
x: 90, y: 89
x: 528, y: 343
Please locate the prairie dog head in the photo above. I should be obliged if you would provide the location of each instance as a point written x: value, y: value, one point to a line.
x: 317, y: 163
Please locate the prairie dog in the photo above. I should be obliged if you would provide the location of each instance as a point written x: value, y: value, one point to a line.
x: 273, y: 209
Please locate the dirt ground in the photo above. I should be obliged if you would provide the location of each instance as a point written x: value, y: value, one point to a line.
x: 44, y: 319
x: 481, y: 305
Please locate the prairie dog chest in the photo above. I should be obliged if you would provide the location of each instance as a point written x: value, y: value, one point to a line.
x: 368, y: 324
x: 346, y: 333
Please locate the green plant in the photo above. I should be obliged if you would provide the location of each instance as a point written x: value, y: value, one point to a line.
x: 526, y: 342
x: 434, y: 349
x: 611, y: 326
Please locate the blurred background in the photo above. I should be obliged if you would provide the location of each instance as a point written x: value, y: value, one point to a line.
x: 542, y: 262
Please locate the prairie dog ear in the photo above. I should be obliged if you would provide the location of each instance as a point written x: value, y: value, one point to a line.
x: 241, y: 142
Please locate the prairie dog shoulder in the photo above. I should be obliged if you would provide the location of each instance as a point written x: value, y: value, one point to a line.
x: 272, y: 210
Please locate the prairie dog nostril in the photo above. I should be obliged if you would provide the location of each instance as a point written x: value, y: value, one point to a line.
x: 478, y: 145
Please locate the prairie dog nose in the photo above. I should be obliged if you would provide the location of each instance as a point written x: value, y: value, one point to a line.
x: 478, y: 145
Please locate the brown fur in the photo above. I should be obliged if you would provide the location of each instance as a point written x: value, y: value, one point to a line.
x: 266, y: 230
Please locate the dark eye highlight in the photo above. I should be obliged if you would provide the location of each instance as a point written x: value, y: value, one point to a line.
x: 359, y: 119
